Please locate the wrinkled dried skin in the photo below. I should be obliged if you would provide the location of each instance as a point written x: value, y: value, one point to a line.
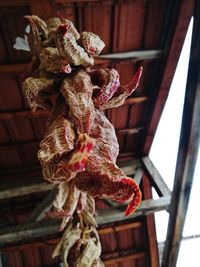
x: 91, y: 251
x: 79, y: 156
x: 41, y: 25
x: 70, y: 50
x: 109, y: 87
x: 72, y: 200
x: 74, y: 253
x: 62, y: 195
x: 104, y: 179
x: 90, y: 205
x: 70, y: 205
x: 70, y: 237
x: 92, y: 43
x: 38, y: 33
x: 57, y: 142
x: 71, y: 27
x: 37, y: 91
x: 123, y: 92
x: 66, y: 202
x: 51, y: 61
x: 53, y: 23
x: 106, y: 144
x: 82, y: 202
x: 77, y: 91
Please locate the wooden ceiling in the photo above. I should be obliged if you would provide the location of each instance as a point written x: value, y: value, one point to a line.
x: 153, y: 31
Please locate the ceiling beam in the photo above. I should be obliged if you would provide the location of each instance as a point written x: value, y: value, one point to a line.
x: 40, y: 211
x: 41, y: 112
x: 12, y: 115
x: 150, y: 225
x: 116, y: 214
x: 128, y: 256
x: 132, y: 55
x: 25, y: 233
x: 156, y: 180
x: 104, y: 59
x: 23, y: 187
x: 187, y: 153
x: 27, y: 186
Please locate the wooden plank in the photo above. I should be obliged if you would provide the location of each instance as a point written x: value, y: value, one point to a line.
x: 187, y: 153
x: 23, y: 187
x: 108, y: 230
x: 132, y: 256
x: 141, y: 55
x: 10, y: 236
x: 104, y: 59
x: 138, y: 176
x: 15, y: 68
x: 135, y: 100
x: 135, y: 130
x: 27, y: 232
x: 157, y: 181
x: 150, y: 206
x: 13, y: 3
x: 163, y: 74
x: 150, y: 224
x: 39, y: 212
x: 40, y: 113
x: 23, y: 114
x: 28, y: 186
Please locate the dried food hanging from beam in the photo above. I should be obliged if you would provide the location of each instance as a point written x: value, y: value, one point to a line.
x: 80, y: 148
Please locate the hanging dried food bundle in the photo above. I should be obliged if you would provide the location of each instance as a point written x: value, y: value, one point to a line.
x: 80, y: 148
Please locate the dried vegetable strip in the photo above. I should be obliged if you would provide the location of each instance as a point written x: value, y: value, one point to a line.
x: 80, y: 148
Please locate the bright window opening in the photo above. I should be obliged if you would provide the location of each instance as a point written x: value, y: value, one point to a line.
x: 164, y: 153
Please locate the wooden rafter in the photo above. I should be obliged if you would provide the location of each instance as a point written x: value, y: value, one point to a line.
x: 187, y: 153
x: 104, y: 59
x: 39, y: 113
x: 156, y: 180
x: 150, y: 224
x: 28, y: 186
x: 29, y: 231
x: 39, y: 212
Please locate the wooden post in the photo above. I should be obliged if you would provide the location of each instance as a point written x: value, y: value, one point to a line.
x: 188, y: 149
x: 150, y: 222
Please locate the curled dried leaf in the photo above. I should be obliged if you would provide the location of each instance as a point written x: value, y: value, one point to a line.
x: 69, y: 238
x: 58, y: 140
x: 92, y: 43
x: 88, y: 255
x: 51, y: 61
x: 61, y: 197
x: 38, y: 91
x: 69, y: 48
